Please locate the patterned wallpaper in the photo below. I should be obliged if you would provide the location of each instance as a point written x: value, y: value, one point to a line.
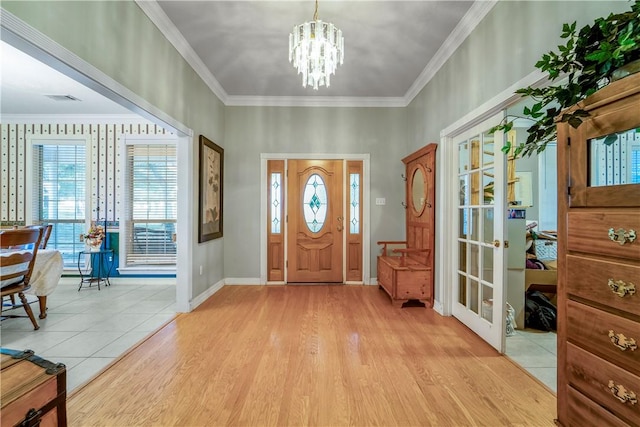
x: 103, y: 142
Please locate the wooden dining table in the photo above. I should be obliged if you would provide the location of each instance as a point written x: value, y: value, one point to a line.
x: 46, y: 274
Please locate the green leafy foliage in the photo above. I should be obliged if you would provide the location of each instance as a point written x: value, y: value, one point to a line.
x: 587, y: 60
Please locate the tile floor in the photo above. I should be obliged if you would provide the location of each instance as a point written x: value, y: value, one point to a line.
x: 88, y: 329
x: 535, y: 351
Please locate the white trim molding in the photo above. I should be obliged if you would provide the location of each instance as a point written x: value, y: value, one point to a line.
x: 73, y: 279
x: 155, y: 13
x: 366, y: 208
x: 447, y: 191
x: 238, y: 281
x: 205, y: 295
x: 31, y: 41
x: 315, y: 101
x: 19, y: 34
x: 437, y: 307
x: 467, y: 24
x: 499, y: 102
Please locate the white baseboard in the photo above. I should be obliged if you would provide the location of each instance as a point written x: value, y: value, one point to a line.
x: 205, y: 295
x: 242, y: 281
x: 372, y: 282
x: 143, y: 280
x: 438, y: 308
x: 75, y: 280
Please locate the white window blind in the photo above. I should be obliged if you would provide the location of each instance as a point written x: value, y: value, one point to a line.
x: 150, y: 205
x: 59, y: 194
x: 635, y: 165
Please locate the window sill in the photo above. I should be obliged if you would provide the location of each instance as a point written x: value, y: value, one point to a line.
x: 147, y: 271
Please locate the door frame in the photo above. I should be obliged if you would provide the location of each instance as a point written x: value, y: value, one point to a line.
x: 493, y: 332
x: 366, y: 259
x: 31, y: 41
x: 447, y: 191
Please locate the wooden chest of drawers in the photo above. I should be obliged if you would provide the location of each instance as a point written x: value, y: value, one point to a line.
x: 599, y: 263
x: 33, y: 390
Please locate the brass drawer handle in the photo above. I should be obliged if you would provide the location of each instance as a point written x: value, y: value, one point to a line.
x: 622, y: 394
x: 621, y: 235
x: 621, y: 288
x: 622, y: 342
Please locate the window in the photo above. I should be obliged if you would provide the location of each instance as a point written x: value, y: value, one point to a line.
x: 59, y: 194
x: 635, y: 165
x: 276, y: 196
x: 150, y: 206
x: 615, y: 161
x: 314, y: 203
x: 354, y: 203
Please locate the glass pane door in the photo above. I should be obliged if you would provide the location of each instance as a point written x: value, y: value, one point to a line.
x: 480, y: 208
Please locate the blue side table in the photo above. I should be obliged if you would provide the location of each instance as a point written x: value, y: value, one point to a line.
x: 100, y: 266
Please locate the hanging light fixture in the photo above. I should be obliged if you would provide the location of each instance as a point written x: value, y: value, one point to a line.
x: 315, y: 48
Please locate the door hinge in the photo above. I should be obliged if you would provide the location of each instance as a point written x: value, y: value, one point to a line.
x: 569, y: 141
x: 286, y: 218
x: 568, y: 191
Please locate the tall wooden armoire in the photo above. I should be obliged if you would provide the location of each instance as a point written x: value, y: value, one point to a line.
x: 599, y: 261
x: 409, y: 276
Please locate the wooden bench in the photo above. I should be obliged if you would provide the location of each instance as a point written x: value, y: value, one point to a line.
x: 403, y: 276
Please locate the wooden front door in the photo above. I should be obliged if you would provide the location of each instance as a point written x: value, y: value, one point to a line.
x: 315, y: 221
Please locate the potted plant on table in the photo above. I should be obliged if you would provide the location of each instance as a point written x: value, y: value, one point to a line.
x: 94, y: 237
x: 590, y: 59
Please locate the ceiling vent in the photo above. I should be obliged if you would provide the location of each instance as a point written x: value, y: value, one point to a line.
x: 62, y: 97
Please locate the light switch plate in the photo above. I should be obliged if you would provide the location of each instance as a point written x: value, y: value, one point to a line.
x: 381, y: 201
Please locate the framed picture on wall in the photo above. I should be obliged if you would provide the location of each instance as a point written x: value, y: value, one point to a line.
x: 211, y: 170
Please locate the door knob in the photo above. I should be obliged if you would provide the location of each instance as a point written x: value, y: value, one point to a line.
x: 496, y: 243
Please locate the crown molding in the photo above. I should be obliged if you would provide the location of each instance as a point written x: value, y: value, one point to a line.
x: 467, y: 24
x: 314, y: 101
x: 21, y: 35
x: 499, y: 102
x: 160, y: 19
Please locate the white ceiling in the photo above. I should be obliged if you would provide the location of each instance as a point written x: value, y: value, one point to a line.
x: 240, y: 48
x: 26, y: 82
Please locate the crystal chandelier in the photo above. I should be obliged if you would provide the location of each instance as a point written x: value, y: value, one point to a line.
x: 315, y: 48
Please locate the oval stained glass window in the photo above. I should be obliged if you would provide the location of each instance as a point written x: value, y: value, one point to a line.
x: 314, y: 203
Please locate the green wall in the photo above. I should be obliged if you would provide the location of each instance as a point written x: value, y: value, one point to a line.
x: 380, y: 132
x: 119, y: 39
x: 500, y: 51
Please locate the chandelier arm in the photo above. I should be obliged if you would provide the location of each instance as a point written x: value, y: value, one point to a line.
x: 315, y: 14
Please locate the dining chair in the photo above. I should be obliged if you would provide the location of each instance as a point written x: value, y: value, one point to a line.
x: 18, y: 250
x: 46, y: 233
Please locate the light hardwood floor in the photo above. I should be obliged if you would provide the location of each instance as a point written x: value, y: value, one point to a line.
x: 312, y: 355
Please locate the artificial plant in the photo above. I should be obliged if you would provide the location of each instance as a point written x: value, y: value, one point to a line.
x: 584, y: 64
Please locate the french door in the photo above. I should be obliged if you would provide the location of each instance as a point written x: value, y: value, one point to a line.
x: 478, y: 290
